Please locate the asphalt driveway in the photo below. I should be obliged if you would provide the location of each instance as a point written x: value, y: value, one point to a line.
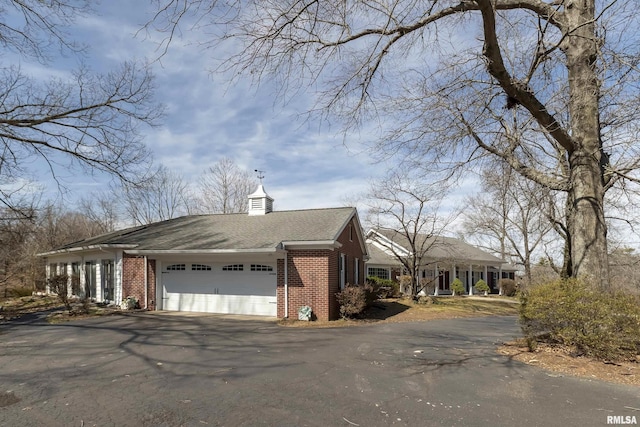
x: 158, y: 370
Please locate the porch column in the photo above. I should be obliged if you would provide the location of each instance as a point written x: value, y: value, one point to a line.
x: 69, y: 274
x: 486, y: 277
x: 499, y: 278
x: 452, y: 276
x: 437, y: 277
x: 470, y: 279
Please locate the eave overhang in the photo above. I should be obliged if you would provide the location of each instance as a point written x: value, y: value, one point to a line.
x: 87, y: 248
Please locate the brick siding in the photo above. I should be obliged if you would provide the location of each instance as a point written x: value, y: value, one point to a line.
x: 133, y: 279
x: 308, y: 274
x: 314, y: 276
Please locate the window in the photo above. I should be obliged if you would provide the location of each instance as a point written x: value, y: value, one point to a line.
x: 260, y: 267
x: 176, y: 267
x: 106, y: 273
x: 75, y: 279
x: 90, y: 284
x: 350, y: 233
x: 233, y: 267
x: 356, y: 272
x: 381, y: 273
x: 200, y: 267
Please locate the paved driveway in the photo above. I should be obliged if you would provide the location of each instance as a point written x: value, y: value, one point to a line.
x: 156, y: 370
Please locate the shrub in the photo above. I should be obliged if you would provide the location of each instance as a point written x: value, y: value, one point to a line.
x: 457, y: 287
x: 21, y: 291
x: 568, y: 312
x: 59, y: 285
x: 352, y: 300
x: 428, y: 286
x: 482, y: 286
x: 508, y: 287
x: 406, y: 284
x: 383, y: 288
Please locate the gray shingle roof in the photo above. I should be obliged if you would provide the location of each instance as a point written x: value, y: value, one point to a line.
x: 229, y: 231
x: 439, y: 249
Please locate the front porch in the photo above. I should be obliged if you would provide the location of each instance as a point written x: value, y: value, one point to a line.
x: 444, y: 274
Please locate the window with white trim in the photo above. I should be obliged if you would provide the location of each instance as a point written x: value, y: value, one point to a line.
x: 233, y: 267
x: 200, y: 267
x: 260, y: 267
x: 356, y: 272
x: 176, y: 267
x: 381, y: 273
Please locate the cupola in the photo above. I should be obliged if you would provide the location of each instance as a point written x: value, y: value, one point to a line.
x: 259, y: 202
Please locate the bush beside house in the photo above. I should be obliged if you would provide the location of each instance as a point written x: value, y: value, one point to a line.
x: 457, y: 287
x: 508, y: 287
x: 481, y: 286
x: 591, y: 322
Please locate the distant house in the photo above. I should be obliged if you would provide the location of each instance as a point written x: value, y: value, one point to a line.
x: 445, y: 259
x: 262, y: 262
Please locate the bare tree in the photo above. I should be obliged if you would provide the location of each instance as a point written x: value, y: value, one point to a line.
x: 84, y: 121
x: 224, y: 188
x: 21, y: 239
x: 163, y: 196
x: 520, y: 80
x: 16, y: 234
x: 508, y: 216
x: 405, y: 215
x: 101, y: 208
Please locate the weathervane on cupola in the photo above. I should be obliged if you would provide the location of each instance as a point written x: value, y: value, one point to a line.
x: 260, y: 203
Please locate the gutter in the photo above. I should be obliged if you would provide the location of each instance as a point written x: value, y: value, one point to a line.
x: 312, y: 244
x: 201, y: 251
x: 86, y: 248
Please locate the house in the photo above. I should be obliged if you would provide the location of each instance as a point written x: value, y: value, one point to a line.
x: 262, y: 262
x: 444, y: 259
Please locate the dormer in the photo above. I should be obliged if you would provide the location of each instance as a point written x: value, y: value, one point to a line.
x: 259, y: 202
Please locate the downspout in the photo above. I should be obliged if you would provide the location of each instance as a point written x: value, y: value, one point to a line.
x: 146, y: 283
x: 286, y: 285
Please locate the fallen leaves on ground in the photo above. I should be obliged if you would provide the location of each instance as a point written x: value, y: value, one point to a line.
x: 560, y: 360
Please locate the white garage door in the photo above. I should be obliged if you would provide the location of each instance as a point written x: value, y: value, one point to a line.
x: 236, y: 288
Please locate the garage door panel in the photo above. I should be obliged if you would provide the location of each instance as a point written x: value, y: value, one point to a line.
x: 218, y: 291
x: 226, y: 304
x: 189, y: 283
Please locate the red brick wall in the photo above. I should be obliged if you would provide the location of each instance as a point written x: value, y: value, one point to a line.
x: 151, y: 282
x: 352, y: 249
x: 308, y: 283
x: 133, y: 279
x: 314, y: 276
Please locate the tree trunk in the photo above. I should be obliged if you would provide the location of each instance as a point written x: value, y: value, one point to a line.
x: 588, y: 230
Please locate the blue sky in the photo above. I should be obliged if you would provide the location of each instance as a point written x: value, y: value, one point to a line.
x: 306, y: 165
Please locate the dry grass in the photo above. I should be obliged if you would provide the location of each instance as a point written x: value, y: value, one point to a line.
x: 406, y: 310
x: 16, y: 307
x: 563, y: 361
x: 13, y: 308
